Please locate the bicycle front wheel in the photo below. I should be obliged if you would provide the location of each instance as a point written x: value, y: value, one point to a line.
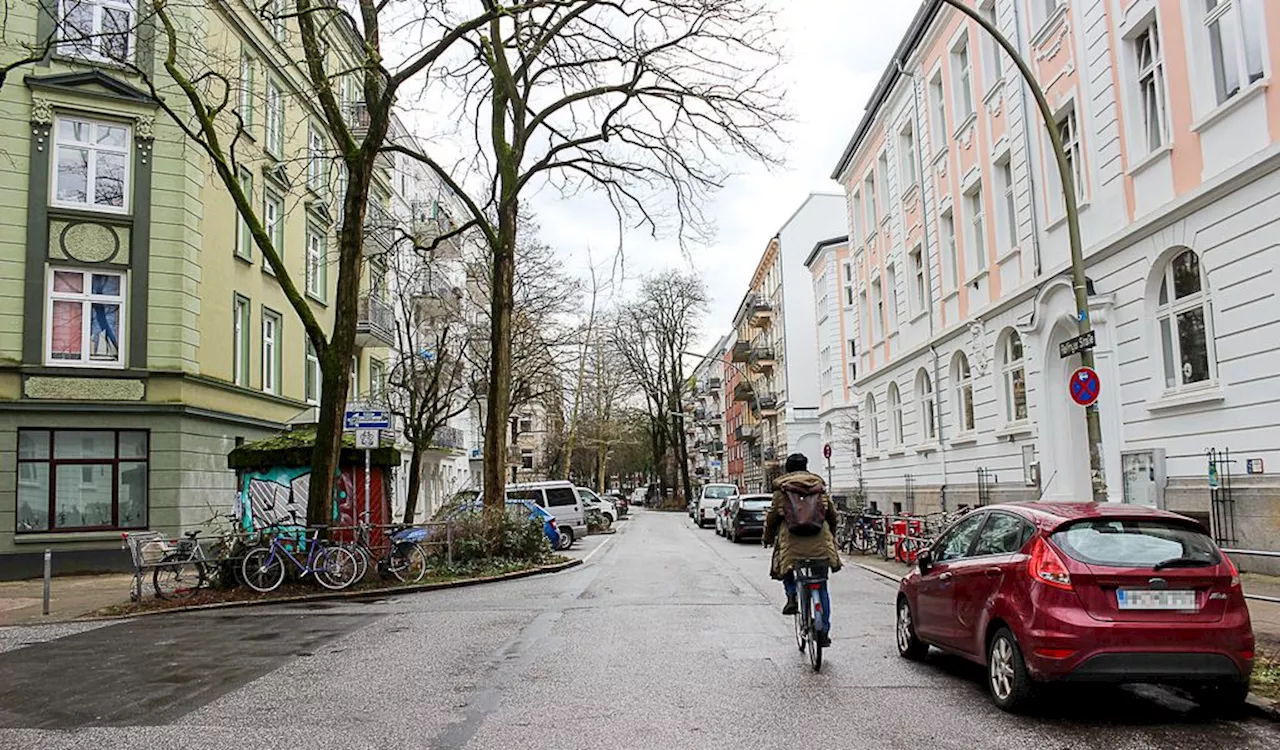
x: 336, y: 568
x: 179, y: 576
x: 262, y: 570
x: 408, y: 562
x: 363, y: 560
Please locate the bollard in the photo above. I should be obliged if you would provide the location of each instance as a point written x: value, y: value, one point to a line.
x: 448, y: 552
x: 48, y: 576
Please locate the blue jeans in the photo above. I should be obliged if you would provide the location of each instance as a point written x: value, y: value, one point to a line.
x: 824, y: 626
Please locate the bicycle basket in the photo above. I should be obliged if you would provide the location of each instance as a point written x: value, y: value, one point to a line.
x: 812, y: 570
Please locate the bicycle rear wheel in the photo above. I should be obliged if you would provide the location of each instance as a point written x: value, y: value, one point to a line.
x: 407, y: 561
x: 336, y: 568
x: 262, y: 570
x: 802, y: 631
x: 179, y: 576
x: 363, y: 560
x: 815, y: 648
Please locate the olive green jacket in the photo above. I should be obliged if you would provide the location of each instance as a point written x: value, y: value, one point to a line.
x: 791, y: 548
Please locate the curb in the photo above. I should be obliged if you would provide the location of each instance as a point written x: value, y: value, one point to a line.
x: 1255, y: 704
x: 338, y: 595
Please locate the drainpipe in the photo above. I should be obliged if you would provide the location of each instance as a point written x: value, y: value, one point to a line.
x: 1026, y: 146
x: 928, y: 281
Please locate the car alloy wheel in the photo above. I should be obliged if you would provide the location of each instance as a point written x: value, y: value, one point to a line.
x: 909, y: 644
x: 1007, y: 676
x: 1001, y: 668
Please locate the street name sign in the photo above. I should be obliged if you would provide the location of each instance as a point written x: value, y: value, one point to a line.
x: 1078, y: 344
x: 366, y: 419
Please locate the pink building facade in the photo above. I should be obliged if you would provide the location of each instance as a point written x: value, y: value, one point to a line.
x: 958, y: 246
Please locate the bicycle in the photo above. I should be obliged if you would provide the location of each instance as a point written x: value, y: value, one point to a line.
x: 185, y: 570
x: 811, y: 578
x: 334, y: 568
x: 404, y: 558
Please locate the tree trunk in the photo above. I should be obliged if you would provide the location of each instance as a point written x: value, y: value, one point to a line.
x: 415, y: 483
x: 325, y: 456
x: 499, y: 393
x: 684, y: 464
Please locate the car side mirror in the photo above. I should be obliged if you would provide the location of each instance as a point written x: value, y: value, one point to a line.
x: 924, y: 560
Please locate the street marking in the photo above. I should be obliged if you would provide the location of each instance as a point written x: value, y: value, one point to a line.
x: 593, y: 552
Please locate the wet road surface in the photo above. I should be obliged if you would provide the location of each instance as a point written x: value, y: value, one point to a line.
x: 668, y: 637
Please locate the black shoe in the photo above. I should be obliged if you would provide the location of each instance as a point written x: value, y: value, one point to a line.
x: 823, y: 639
x: 791, y: 607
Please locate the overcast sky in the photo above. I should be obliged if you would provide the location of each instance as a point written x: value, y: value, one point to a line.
x: 836, y: 51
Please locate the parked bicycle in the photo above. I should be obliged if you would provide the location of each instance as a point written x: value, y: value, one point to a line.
x: 333, y: 567
x: 181, y: 573
x: 811, y: 616
x: 400, y: 555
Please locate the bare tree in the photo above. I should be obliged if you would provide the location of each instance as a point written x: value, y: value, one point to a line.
x: 627, y: 99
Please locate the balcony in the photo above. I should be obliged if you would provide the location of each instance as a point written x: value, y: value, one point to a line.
x: 375, y: 323
x: 745, y: 433
x: 741, y: 352
x: 717, y: 447
x: 429, y: 224
x: 449, y: 438
x: 770, y: 455
x: 436, y: 298
x: 358, y: 119
x: 761, y: 312
x: 766, y: 406
x: 743, y: 392
x: 762, y: 358
x: 713, y: 385
x: 379, y: 230
x: 700, y: 414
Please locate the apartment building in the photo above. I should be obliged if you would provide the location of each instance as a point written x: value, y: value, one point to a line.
x: 707, y: 422
x: 836, y: 333
x: 144, y: 336
x: 959, y: 244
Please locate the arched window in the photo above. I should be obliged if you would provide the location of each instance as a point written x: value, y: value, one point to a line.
x: 924, y: 407
x: 1013, y: 371
x: 962, y: 379
x: 895, y: 414
x: 873, y: 425
x: 1185, y: 321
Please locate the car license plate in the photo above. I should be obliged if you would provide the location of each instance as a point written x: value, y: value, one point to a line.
x: 1182, y: 601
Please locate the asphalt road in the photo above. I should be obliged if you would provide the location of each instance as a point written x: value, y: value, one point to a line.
x: 668, y: 637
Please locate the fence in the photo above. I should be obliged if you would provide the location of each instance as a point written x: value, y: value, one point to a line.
x: 1255, y: 553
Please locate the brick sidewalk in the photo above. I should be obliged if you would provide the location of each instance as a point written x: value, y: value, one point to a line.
x: 1265, y: 615
x: 71, y: 597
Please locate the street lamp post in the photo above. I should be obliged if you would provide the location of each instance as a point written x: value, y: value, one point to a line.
x: 1078, y: 281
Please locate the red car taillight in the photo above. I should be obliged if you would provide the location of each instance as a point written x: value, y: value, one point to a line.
x: 1045, y: 566
x: 1235, y: 572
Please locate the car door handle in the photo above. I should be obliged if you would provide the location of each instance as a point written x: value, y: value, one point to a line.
x: 944, y: 577
x: 991, y: 572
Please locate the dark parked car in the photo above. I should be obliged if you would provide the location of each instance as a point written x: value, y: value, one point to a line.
x: 619, y: 501
x: 746, y: 517
x: 1045, y: 592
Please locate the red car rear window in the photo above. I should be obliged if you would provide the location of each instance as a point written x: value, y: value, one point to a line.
x: 1136, y: 543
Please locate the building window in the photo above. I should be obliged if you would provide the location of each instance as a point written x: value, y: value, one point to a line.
x: 526, y: 458
x: 891, y: 278
x: 937, y: 113
x: 855, y: 216
x: 962, y: 75
x: 1042, y: 11
x: 907, y: 158
x: 377, y: 380
x: 977, y: 239
x: 525, y: 425
x: 895, y: 415
x: 882, y: 166
x: 848, y: 285
x: 275, y: 120
x: 92, y: 164
x: 864, y: 317
x: 873, y: 425
x: 244, y: 235
x: 276, y: 13
x: 1185, y: 319
x: 869, y: 191
x: 1235, y: 29
x: 962, y: 377
x: 317, y: 173
x: 79, y: 480
x: 273, y: 223
x: 919, y: 290
x: 824, y: 369
x: 877, y: 311
x: 1015, y: 377
x: 270, y: 352
x: 316, y: 280
x: 925, y: 407
x: 1008, y: 234
x: 247, y: 104
x: 1150, y: 66
x: 853, y: 360
x: 311, y: 375
x: 97, y: 29
x: 950, y: 256
x: 990, y: 47
x: 240, y: 341
x: 1071, y: 146
x: 353, y: 387
x: 86, y: 310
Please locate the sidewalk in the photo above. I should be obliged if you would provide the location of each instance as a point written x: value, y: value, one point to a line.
x: 1265, y: 615
x: 70, y: 597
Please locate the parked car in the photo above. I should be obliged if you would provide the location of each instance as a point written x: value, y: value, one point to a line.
x: 722, y: 516
x: 619, y: 501
x: 1045, y: 592
x: 561, y: 499
x: 469, y: 502
x: 592, y: 500
x: 709, y: 498
x: 745, y: 519
x: 637, y: 496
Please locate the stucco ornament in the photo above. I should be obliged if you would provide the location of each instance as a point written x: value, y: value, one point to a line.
x: 41, y: 111
x: 976, y: 349
x: 144, y: 128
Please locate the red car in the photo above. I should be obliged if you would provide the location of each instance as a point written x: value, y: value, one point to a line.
x: 1081, y: 592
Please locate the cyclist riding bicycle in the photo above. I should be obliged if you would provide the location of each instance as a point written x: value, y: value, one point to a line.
x: 803, y: 520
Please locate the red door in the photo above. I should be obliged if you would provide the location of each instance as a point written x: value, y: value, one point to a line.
x: 935, y: 598
x: 980, y: 575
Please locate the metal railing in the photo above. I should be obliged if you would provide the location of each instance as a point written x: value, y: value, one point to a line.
x: 447, y: 437
x: 1255, y: 553
x: 376, y: 318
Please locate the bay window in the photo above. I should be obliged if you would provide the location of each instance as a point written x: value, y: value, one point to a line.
x: 91, y: 164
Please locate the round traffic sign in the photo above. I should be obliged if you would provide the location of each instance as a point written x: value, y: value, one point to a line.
x: 826, y: 451
x: 1084, y: 386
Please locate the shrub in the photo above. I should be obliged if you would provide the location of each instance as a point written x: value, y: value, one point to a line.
x: 519, y: 538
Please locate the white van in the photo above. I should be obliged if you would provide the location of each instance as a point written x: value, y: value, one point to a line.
x: 709, y: 499
x: 561, y: 500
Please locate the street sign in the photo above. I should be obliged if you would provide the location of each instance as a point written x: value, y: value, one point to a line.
x: 715, y: 463
x: 1084, y: 386
x: 367, y: 439
x: 826, y: 451
x: 366, y: 419
x: 1078, y: 344
x: 1253, y: 466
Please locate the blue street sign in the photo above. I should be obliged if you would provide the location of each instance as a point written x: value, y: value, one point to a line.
x: 366, y: 419
x: 1084, y: 386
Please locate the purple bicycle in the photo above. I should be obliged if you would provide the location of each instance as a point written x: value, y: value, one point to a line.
x: 332, y: 567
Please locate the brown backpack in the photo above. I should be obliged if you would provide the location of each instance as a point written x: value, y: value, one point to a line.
x: 803, y: 513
